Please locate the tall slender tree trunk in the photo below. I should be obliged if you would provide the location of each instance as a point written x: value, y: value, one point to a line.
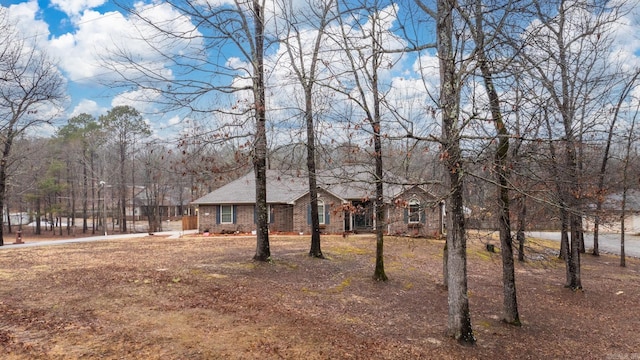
x: 8, y: 143
x: 123, y: 190
x: 459, y: 324
x: 596, y: 230
x: 263, y: 252
x: 623, y: 261
x: 510, y: 302
x: 564, y: 233
x: 521, y: 228
x: 379, y: 273
x: 315, y: 250
x: 85, y: 198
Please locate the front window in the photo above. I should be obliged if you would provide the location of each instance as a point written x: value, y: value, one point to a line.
x: 414, y: 211
x: 320, y: 212
x: 226, y: 214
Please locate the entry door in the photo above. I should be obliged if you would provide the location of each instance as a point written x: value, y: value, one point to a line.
x: 348, y: 221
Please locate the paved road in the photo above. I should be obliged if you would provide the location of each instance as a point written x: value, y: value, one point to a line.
x: 608, y: 243
x: 174, y: 234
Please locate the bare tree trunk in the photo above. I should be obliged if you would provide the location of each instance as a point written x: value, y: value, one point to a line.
x: 263, y: 252
x: 85, y: 198
x: 379, y: 273
x: 445, y: 265
x: 623, y: 261
x: 122, y: 208
x: 573, y: 262
x: 8, y: 143
x: 510, y: 303
x: 596, y: 230
x: 459, y: 324
x: 625, y: 188
x: 564, y: 233
x: 521, y: 228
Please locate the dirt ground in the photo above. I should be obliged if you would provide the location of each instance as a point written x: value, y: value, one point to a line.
x: 204, y: 298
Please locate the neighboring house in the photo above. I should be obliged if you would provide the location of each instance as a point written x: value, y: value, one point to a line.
x: 612, y: 208
x: 168, y: 206
x: 344, y: 201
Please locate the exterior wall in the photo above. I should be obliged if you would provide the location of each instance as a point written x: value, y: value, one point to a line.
x: 333, y: 209
x: 208, y: 215
x: 281, y: 218
x: 295, y: 218
x: 430, y: 220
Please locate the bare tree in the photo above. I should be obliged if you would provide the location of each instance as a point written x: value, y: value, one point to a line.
x: 304, y: 54
x: 196, y: 43
x: 365, y: 53
x: 30, y: 84
x: 631, y: 139
x: 453, y: 70
x: 484, y: 41
x: 600, y: 190
x: 565, y: 51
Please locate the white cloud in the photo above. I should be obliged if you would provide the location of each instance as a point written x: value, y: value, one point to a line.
x: 24, y: 15
x: 102, y: 43
x: 86, y: 106
x: 75, y: 7
x: 142, y: 99
x: 174, y: 120
x: 80, y: 52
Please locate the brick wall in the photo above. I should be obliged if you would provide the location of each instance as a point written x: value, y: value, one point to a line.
x: 333, y: 206
x: 430, y: 218
x: 208, y: 216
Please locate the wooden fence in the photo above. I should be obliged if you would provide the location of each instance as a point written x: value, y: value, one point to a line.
x: 189, y: 222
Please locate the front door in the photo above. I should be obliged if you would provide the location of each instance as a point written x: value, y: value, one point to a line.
x: 348, y: 221
x: 363, y: 215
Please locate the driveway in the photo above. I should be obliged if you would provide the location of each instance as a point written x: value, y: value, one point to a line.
x: 608, y: 243
x: 172, y: 234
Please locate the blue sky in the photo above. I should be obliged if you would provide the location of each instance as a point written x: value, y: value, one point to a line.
x: 77, y: 33
x: 80, y: 32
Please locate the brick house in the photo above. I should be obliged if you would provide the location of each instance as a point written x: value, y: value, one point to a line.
x: 344, y: 201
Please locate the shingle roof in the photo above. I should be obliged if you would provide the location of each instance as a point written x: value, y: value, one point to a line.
x: 347, y: 183
x: 282, y: 187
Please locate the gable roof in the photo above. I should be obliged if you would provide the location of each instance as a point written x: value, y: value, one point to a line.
x: 286, y: 186
x: 282, y: 187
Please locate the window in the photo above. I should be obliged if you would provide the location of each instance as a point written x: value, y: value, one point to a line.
x: 320, y: 212
x: 226, y: 214
x: 414, y: 211
x: 323, y: 214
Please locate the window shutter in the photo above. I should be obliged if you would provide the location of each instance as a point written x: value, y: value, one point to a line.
x: 218, y: 214
x: 406, y: 215
x: 234, y: 213
x: 423, y: 215
x: 326, y: 215
x: 271, y: 215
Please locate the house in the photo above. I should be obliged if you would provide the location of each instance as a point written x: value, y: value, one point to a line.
x: 612, y: 208
x: 344, y: 201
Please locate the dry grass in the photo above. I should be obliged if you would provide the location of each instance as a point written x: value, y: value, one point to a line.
x: 203, y: 298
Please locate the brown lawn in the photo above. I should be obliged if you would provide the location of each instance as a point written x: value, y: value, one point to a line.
x: 203, y: 298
